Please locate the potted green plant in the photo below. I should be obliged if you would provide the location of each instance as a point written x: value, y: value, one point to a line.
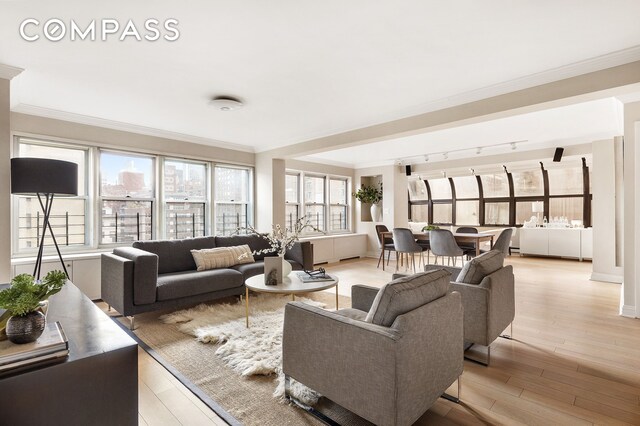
x: 429, y: 228
x: 23, y: 300
x: 370, y: 195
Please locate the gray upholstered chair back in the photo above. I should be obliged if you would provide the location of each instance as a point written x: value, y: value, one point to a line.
x: 443, y: 243
x: 466, y: 230
x: 504, y: 241
x: 404, y: 241
x: 382, y: 241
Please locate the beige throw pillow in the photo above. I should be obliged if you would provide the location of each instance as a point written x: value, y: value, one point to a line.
x: 222, y: 257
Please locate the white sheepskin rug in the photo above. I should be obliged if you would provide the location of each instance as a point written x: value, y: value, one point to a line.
x: 256, y: 350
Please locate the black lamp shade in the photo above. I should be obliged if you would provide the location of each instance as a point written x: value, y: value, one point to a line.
x: 44, y: 176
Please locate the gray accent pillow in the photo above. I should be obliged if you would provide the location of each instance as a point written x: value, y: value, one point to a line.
x: 479, y: 267
x: 406, y: 294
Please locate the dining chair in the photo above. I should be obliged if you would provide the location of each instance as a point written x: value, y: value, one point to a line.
x: 443, y: 243
x: 405, y: 245
x: 468, y: 248
x: 504, y: 241
x: 384, y: 244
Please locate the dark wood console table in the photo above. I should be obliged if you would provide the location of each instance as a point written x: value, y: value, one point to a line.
x: 96, y: 385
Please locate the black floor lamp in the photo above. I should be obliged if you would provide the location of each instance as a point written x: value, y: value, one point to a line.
x: 44, y: 178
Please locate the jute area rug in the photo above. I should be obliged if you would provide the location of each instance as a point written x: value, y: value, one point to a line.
x: 248, y: 398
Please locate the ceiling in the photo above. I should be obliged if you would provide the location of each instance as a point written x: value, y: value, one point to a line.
x: 563, y: 126
x: 303, y: 69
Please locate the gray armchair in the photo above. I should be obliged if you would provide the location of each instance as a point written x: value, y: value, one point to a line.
x: 488, y: 297
x: 388, y: 358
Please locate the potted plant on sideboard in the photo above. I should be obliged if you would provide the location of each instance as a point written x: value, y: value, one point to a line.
x: 370, y: 195
x: 24, y: 299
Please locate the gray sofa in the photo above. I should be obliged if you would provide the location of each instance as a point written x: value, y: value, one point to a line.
x: 391, y: 356
x: 154, y: 275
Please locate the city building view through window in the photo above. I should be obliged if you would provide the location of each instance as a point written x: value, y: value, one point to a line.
x: 138, y: 197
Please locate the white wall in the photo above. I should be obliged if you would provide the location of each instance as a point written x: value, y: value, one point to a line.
x: 5, y: 175
x: 606, y: 190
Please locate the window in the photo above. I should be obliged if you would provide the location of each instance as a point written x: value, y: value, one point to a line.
x: 569, y: 207
x: 419, y: 213
x: 338, y: 208
x: 185, y: 194
x: 566, y: 181
x: 417, y: 190
x: 495, y: 185
x: 314, y: 200
x: 524, y: 211
x: 496, y: 213
x: 467, y: 212
x: 442, y: 213
x: 466, y: 187
x: 440, y: 189
x: 232, y: 195
x: 292, y: 198
x: 528, y: 183
x: 127, y: 188
x: 68, y: 214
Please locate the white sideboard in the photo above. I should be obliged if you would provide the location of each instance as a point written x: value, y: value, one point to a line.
x: 561, y: 242
x: 83, y: 269
x: 333, y: 248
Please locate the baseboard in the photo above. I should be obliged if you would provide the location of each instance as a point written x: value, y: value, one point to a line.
x: 610, y: 278
x: 628, y: 311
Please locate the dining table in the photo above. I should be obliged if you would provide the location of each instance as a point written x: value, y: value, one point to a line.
x: 460, y: 237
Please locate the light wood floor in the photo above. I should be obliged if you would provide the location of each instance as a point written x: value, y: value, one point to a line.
x: 574, y: 360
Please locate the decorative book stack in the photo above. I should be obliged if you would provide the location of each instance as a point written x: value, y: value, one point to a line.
x: 52, y: 346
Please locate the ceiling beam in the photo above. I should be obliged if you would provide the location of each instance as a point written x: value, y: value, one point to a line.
x: 593, y: 85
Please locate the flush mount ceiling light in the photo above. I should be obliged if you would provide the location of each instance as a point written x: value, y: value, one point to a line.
x: 226, y: 103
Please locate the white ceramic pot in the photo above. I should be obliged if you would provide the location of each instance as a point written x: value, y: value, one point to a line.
x: 375, y: 212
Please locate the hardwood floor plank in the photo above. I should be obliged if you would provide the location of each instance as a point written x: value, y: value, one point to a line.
x: 608, y: 410
x: 572, y: 409
x: 183, y: 409
x: 152, y: 410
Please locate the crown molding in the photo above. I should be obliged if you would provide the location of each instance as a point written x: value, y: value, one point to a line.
x: 7, y: 72
x: 126, y: 127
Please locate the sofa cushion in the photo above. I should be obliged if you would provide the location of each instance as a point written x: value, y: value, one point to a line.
x: 184, y: 284
x: 405, y: 294
x: 255, y: 242
x: 221, y: 257
x: 175, y: 255
x: 355, y: 314
x: 479, y: 267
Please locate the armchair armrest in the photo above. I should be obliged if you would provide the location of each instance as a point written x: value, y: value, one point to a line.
x: 145, y: 273
x: 359, y: 356
x: 362, y: 297
x: 301, y: 252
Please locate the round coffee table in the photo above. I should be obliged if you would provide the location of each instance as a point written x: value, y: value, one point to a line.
x: 291, y: 285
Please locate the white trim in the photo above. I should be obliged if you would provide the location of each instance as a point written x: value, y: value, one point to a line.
x: 628, y: 311
x: 7, y: 72
x: 126, y: 127
x: 610, y: 278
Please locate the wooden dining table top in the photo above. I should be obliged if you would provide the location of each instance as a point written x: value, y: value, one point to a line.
x: 459, y: 236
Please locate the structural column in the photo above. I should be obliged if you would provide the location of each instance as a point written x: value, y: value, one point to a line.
x: 631, y: 284
x: 270, y: 192
x: 5, y: 174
